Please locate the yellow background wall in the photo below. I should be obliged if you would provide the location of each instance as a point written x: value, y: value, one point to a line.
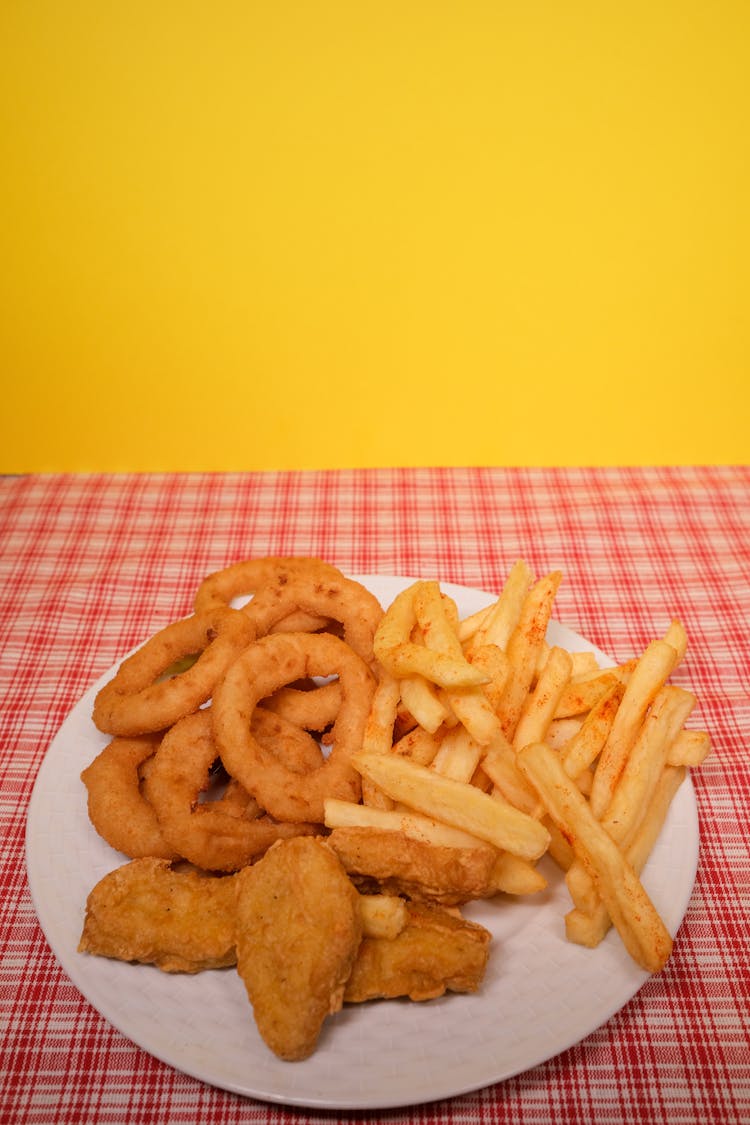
x: 243, y: 235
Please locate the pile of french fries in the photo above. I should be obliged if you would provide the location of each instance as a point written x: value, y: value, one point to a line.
x: 483, y: 734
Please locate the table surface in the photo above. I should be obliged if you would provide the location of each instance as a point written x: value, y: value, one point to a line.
x: 90, y: 565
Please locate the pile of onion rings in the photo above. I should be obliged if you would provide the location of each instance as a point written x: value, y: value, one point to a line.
x: 218, y: 721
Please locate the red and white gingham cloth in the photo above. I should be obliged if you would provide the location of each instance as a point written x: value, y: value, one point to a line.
x: 91, y: 565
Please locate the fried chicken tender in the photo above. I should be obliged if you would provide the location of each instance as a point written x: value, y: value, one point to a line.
x: 436, y: 952
x: 298, y: 932
x: 398, y: 864
x: 178, y: 919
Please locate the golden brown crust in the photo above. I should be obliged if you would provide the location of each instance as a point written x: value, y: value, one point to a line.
x: 298, y: 932
x: 246, y: 578
x: 436, y: 952
x: 182, y: 921
x: 117, y: 807
x: 399, y: 864
x: 268, y: 664
x: 136, y: 701
x: 214, y: 835
x: 336, y: 598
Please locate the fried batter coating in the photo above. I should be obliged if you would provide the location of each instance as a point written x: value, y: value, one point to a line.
x: 139, y: 699
x: 436, y: 952
x: 298, y: 932
x: 216, y: 835
x: 180, y: 920
x: 265, y: 666
x: 399, y: 864
x: 117, y: 806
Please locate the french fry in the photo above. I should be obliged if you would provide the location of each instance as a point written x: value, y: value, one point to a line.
x: 481, y: 780
x: 382, y: 916
x: 584, y: 780
x: 401, y: 656
x: 621, y: 672
x: 421, y: 699
x: 499, y: 763
x: 474, y: 711
x: 458, y: 756
x: 582, y: 663
x: 677, y: 638
x: 540, y: 705
x: 646, y: 761
x: 419, y: 745
x: 450, y: 609
x: 523, y: 649
x: 452, y: 802
x: 346, y: 814
x: 636, y: 783
x: 588, y: 742
x: 470, y: 705
x: 583, y: 693
x: 502, y: 618
x: 581, y: 887
x: 515, y: 876
x: 642, y: 930
x: 373, y: 797
x: 690, y: 748
x: 559, y: 849
x: 434, y: 620
x: 650, y: 673
x: 468, y: 626
x: 494, y: 662
x: 561, y: 731
x: 378, y: 733
x: 590, y: 928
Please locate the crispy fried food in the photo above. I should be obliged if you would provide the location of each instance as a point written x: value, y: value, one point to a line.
x: 460, y: 753
x: 298, y: 932
x: 268, y: 664
x: 435, y: 952
x: 383, y: 916
x: 400, y: 864
x: 642, y: 930
x: 136, y: 701
x: 465, y: 806
x: 216, y: 835
x: 180, y: 920
x: 246, y: 578
x: 313, y: 707
x: 117, y: 807
x: 400, y: 656
x: 336, y: 598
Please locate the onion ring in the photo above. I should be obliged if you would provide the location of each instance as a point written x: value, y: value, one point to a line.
x: 117, y: 808
x: 208, y: 835
x: 268, y: 664
x: 289, y: 741
x: 338, y: 599
x: 132, y: 703
x: 248, y: 577
x: 313, y: 709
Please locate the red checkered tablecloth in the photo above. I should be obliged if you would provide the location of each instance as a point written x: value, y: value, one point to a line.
x: 90, y: 565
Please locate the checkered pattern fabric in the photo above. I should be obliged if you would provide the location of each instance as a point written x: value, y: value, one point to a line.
x: 91, y: 565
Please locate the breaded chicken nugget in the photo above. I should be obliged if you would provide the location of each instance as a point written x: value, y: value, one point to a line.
x: 436, y: 952
x: 398, y: 864
x: 298, y: 932
x: 178, y: 919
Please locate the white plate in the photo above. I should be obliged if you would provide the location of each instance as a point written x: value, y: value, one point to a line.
x: 541, y: 994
